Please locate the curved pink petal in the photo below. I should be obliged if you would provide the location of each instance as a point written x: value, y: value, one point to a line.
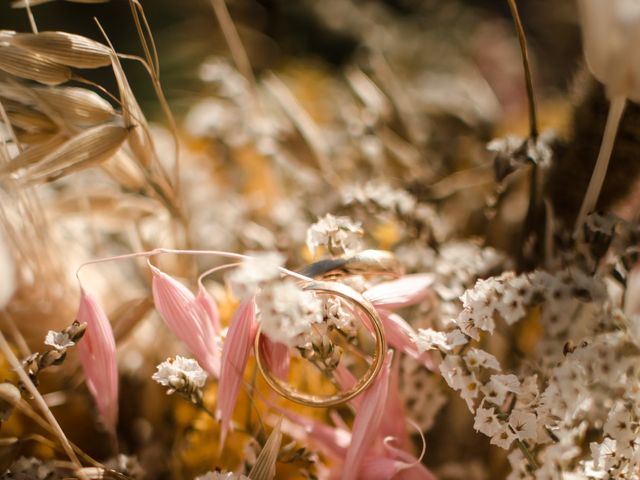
x: 367, y: 421
x: 235, y: 354
x: 405, y: 291
x: 399, y: 335
x: 187, y: 319
x: 276, y: 356
x: 97, y: 351
x: 206, y: 301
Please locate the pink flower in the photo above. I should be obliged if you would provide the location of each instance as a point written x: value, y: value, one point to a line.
x: 403, y: 292
x: 97, y: 351
x: 191, y: 320
x: 235, y: 353
x: 276, y: 356
x: 367, y: 421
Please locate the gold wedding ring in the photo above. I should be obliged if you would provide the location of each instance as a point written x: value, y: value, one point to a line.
x: 310, y: 400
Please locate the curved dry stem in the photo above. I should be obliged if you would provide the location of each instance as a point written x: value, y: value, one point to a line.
x: 522, y: 39
x: 46, y: 411
x: 616, y: 109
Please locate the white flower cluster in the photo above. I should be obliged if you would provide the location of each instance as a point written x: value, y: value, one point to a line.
x: 255, y: 272
x: 179, y: 373
x: 287, y: 312
x: 340, y: 235
x: 586, y: 353
x: 30, y: 468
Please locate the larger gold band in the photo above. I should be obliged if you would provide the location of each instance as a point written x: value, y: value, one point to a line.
x: 310, y: 400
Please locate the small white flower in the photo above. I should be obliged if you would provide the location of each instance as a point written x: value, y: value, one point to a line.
x: 455, y: 338
x: 178, y: 372
x: 287, y: 312
x: 451, y: 370
x: 429, y: 339
x: 255, y: 272
x: 476, y: 358
x: 58, y: 340
x: 604, y: 454
x: 466, y: 322
x: 469, y: 387
x: 503, y: 438
x: 524, y: 424
x: 340, y: 235
x: 486, y: 421
x: 621, y: 426
x: 498, y: 386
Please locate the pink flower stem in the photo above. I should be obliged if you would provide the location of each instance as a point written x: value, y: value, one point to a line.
x: 159, y: 251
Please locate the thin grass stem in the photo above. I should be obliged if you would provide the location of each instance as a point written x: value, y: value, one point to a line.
x: 616, y: 109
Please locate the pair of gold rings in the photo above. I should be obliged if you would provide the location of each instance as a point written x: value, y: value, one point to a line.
x: 367, y: 262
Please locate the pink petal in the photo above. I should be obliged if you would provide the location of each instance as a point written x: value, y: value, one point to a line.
x: 235, y: 353
x: 393, y: 463
x: 399, y: 335
x: 329, y: 440
x: 367, y: 421
x: 405, y: 291
x: 346, y: 380
x: 209, y: 305
x: 394, y: 421
x: 187, y: 319
x: 276, y: 356
x: 97, y: 351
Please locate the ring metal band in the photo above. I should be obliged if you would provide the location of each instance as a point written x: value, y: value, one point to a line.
x: 310, y: 400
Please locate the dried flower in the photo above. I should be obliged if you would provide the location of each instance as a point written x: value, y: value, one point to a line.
x: 98, y: 359
x: 188, y: 319
x: 287, y: 312
x: 255, y: 272
x: 340, y: 235
x: 367, y: 422
x: 235, y: 354
x: 58, y: 340
x: 182, y: 375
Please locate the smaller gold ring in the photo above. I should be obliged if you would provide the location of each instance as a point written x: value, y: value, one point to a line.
x: 361, y: 385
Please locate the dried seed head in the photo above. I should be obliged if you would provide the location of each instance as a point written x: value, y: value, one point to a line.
x: 82, y: 151
x: 65, y: 48
x: 31, y: 66
x: 78, y: 106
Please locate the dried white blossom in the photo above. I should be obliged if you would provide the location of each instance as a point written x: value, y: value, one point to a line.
x: 287, y: 312
x: 255, y: 272
x: 180, y: 374
x: 340, y: 235
x: 58, y: 340
x: 486, y: 421
x: 476, y: 358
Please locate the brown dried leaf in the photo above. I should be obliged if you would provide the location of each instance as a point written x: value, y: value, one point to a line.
x: 82, y: 151
x: 25, y: 64
x: 66, y: 48
x: 78, y: 106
